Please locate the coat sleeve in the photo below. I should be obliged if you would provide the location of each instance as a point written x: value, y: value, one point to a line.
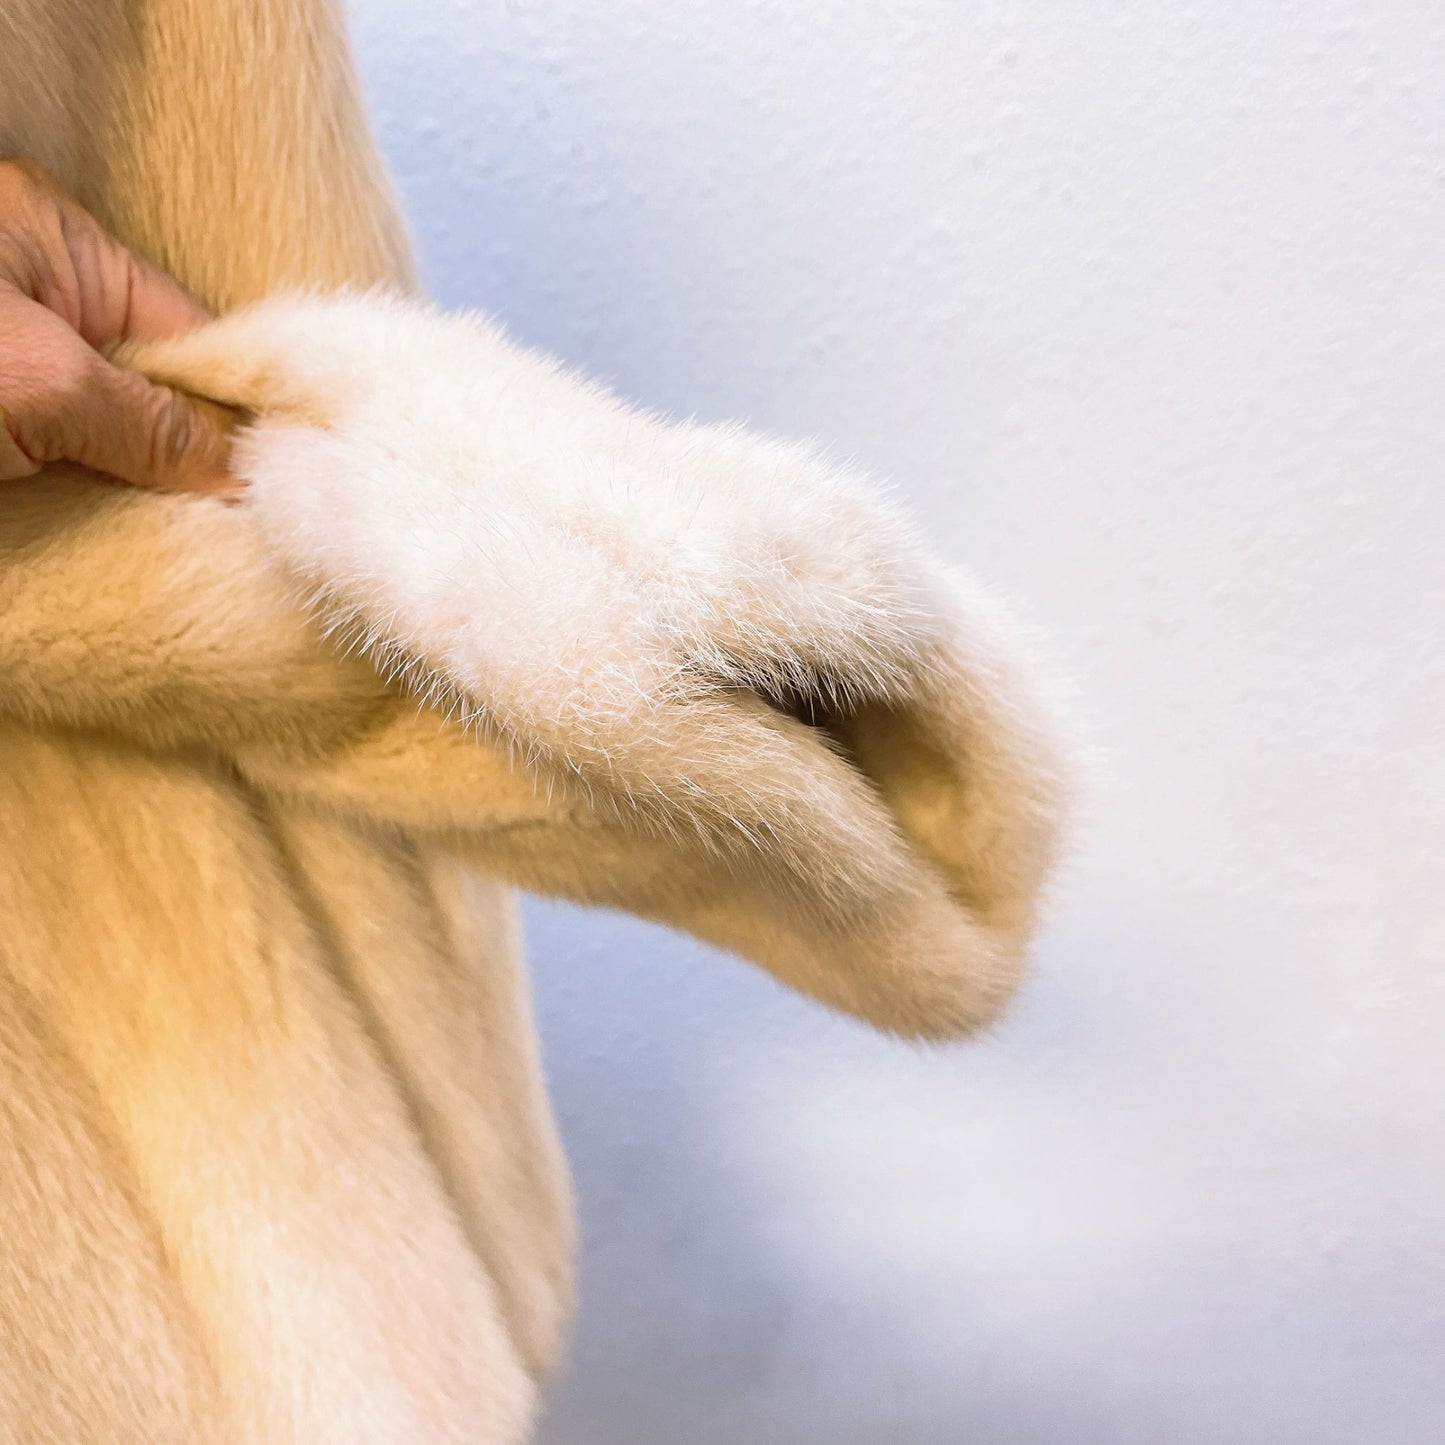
x: 683, y: 670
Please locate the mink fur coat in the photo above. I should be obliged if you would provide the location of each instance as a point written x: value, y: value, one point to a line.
x: 276, y: 1163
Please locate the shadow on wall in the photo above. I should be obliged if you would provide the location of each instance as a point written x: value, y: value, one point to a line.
x: 787, y: 1353
x: 796, y: 1232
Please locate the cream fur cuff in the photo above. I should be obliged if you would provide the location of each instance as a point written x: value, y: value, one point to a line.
x: 735, y: 658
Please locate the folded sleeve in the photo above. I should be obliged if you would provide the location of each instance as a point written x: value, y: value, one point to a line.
x: 712, y: 677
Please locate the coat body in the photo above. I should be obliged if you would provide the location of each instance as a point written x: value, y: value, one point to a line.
x: 277, y: 1161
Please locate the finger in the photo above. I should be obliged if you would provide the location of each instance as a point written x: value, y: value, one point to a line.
x: 159, y: 307
x: 151, y: 436
x: 15, y: 462
x: 62, y: 257
x: 121, y: 296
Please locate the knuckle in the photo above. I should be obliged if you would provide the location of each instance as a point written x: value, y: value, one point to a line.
x: 63, y: 380
x: 32, y: 206
x: 21, y: 180
x: 14, y: 174
x: 16, y: 459
x: 171, y: 432
x: 41, y: 409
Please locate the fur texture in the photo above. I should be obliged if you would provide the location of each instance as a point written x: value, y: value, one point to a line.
x: 278, y: 1166
x: 708, y: 644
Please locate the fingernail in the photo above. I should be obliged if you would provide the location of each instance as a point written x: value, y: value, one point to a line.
x: 218, y: 486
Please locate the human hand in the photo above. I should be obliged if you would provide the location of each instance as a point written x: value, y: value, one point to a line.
x: 67, y: 291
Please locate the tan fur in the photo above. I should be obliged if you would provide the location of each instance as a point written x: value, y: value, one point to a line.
x: 633, y: 611
x: 278, y: 1166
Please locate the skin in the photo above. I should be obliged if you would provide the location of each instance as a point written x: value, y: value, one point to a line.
x: 69, y: 290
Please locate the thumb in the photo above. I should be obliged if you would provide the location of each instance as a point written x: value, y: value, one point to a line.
x: 149, y: 435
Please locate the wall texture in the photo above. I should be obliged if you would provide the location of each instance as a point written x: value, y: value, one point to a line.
x: 1144, y: 307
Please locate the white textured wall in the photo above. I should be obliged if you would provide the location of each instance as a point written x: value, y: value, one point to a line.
x: 1144, y: 305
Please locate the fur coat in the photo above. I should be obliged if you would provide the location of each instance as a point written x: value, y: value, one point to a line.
x: 276, y: 1164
